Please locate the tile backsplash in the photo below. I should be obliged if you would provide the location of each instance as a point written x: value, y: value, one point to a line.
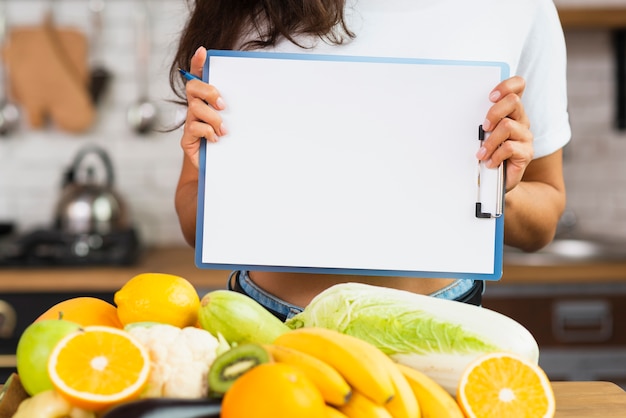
x: 595, y: 172
x: 146, y: 167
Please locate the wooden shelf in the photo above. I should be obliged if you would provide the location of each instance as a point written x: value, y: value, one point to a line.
x: 593, y: 18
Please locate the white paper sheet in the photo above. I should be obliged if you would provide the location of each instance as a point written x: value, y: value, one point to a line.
x: 349, y: 164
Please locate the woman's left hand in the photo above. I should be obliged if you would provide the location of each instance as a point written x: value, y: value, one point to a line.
x: 509, y: 136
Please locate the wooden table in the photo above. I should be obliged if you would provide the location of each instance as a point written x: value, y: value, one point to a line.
x: 589, y: 399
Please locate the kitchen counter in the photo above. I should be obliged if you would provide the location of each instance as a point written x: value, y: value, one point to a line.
x: 180, y: 261
x: 571, y: 273
x: 172, y: 260
x: 587, y: 400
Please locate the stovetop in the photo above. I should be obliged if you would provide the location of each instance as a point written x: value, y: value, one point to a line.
x: 52, y: 247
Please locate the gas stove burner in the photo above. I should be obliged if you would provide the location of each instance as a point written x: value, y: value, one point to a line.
x: 53, y: 247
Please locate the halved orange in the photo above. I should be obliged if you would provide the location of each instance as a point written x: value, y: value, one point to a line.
x: 503, y: 384
x: 98, y: 367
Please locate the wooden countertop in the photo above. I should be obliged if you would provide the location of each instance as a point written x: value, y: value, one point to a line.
x: 172, y: 260
x: 180, y: 261
x: 589, y: 399
x: 610, y: 272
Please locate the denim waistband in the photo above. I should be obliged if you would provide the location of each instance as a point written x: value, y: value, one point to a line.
x: 466, y: 290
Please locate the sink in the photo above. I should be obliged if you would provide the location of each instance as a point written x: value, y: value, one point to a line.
x: 570, y: 250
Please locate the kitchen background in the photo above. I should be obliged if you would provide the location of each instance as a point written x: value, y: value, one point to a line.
x: 575, y: 310
x: 146, y: 166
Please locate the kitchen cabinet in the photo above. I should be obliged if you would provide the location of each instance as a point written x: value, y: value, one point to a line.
x: 592, y: 17
x: 576, y: 311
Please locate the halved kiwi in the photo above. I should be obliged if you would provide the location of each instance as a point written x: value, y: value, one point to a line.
x: 231, y: 364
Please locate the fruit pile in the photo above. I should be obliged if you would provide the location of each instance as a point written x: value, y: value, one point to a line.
x: 84, y: 357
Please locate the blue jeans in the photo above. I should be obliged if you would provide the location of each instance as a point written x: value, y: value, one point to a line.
x: 239, y: 281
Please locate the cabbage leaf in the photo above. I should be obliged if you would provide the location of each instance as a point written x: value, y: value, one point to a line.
x: 397, y: 322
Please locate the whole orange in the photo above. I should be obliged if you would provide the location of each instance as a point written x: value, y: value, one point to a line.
x: 273, y: 390
x: 84, y: 310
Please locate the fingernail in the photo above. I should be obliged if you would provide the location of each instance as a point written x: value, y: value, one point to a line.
x: 220, y: 103
x: 486, y: 125
x: 223, y: 130
x: 494, y: 95
x: 489, y: 163
x: 481, y: 153
x: 198, y: 51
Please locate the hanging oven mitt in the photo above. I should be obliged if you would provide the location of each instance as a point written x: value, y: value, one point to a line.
x: 49, y: 75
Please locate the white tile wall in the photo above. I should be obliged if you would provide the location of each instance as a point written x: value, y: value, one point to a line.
x: 32, y: 162
x: 595, y: 168
x: 146, y: 167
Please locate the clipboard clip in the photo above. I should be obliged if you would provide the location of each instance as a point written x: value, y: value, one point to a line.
x: 499, y: 188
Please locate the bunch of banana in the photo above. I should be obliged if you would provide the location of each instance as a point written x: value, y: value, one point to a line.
x: 434, y: 400
x: 357, y: 380
x: 352, y: 375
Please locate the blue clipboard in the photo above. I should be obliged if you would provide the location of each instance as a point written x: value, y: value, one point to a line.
x: 350, y: 165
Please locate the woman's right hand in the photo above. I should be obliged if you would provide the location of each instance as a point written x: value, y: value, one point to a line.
x: 203, y: 105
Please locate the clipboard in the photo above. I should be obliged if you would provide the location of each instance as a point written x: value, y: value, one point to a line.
x: 350, y: 165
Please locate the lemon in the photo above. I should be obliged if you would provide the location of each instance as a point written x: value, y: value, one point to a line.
x: 158, y: 297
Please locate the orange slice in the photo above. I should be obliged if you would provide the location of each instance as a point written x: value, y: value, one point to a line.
x: 98, y: 367
x: 505, y: 385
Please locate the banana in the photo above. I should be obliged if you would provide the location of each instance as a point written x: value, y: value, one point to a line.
x: 363, y: 366
x: 334, y: 388
x: 332, y: 412
x: 360, y: 406
x: 404, y: 404
x: 433, y: 399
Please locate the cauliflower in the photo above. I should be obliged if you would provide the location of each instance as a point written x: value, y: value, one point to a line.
x: 180, y: 359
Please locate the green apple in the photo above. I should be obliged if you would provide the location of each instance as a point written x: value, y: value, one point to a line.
x: 34, y: 348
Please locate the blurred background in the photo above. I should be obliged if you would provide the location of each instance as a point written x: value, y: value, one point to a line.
x: 92, y: 184
x: 33, y: 160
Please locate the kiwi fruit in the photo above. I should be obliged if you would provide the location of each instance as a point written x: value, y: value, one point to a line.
x: 231, y: 364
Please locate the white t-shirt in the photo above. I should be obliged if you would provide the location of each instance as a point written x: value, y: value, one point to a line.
x: 525, y: 34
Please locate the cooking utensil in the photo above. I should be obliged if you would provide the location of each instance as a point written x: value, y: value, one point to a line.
x: 87, y: 206
x: 9, y: 112
x: 142, y: 116
x: 100, y: 76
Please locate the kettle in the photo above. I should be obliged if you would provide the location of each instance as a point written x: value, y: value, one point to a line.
x: 89, y: 206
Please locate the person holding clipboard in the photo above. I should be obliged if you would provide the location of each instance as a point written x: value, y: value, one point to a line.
x: 527, y: 123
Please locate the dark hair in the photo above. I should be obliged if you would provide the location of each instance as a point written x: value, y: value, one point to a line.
x: 221, y: 24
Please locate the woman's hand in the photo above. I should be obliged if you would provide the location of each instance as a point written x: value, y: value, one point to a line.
x: 203, y: 119
x: 510, y: 138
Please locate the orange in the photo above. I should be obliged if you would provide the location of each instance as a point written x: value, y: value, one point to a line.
x: 505, y: 385
x: 158, y: 297
x: 272, y: 390
x: 98, y: 367
x: 84, y: 310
